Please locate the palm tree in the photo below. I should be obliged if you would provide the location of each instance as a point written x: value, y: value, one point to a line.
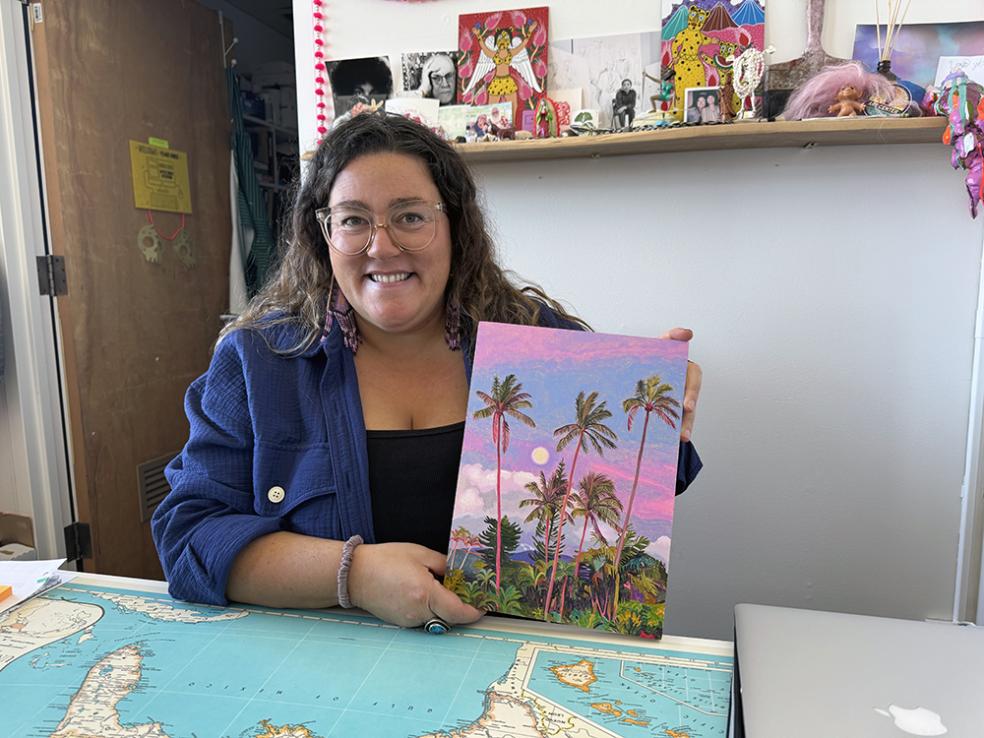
x: 587, y: 429
x: 507, y: 398
x: 545, y: 499
x: 596, y: 502
x: 652, y: 397
x: 458, y: 537
x: 484, y: 578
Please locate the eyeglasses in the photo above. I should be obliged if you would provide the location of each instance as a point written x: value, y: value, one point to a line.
x: 444, y: 79
x: 350, y: 229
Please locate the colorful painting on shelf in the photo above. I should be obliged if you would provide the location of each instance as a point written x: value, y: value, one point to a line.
x: 917, y: 51
x: 700, y: 40
x: 504, y: 59
x: 568, y: 466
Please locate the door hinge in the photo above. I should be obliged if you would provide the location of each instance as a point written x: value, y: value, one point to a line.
x: 78, y: 541
x: 52, y: 279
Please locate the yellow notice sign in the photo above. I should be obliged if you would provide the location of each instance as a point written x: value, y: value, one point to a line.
x: 160, y: 178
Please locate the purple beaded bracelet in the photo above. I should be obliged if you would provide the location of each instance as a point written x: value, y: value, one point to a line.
x: 343, y: 570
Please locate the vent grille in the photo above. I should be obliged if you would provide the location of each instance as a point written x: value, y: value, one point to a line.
x: 153, y: 487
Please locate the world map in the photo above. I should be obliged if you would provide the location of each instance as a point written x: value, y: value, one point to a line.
x: 84, y: 661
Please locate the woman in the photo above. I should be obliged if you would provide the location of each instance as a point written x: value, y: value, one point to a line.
x: 280, y: 476
x: 625, y: 101
x: 437, y: 79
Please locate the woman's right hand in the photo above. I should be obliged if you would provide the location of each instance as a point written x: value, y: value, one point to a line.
x: 395, y: 582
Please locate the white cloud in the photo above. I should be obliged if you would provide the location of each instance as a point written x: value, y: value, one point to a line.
x: 476, y: 491
x: 660, y: 549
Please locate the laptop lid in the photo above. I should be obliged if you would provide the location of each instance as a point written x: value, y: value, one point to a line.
x: 810, y: 674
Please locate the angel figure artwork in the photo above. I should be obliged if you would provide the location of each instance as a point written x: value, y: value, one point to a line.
x: 504, y: 60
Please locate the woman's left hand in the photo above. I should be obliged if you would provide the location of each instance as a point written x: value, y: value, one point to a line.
x: 692, y: 388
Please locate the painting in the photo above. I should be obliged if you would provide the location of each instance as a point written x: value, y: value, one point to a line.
x: 919, y: 46
x: 504, y: 59
x: 564, y: 503
x: 615, y: 72
x: 701, y: 39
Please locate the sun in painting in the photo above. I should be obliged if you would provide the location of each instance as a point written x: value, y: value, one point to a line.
x: 540, y: 455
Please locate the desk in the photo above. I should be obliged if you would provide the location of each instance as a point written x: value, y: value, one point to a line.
x: 107, y: 656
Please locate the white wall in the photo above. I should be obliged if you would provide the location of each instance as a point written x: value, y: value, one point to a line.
x: 832, y: 292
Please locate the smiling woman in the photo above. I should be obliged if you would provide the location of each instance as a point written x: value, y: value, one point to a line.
x: 326, y: 435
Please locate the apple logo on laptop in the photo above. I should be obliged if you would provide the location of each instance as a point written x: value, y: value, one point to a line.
x: 919, y: 721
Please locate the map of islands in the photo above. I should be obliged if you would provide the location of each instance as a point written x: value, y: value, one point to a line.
x: 88, y: 661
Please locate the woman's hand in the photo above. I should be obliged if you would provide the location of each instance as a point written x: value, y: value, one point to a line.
x: 395, y: 582
x: 691, y: 389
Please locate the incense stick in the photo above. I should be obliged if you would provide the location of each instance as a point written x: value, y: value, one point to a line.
x: 893, y: 9
x: 878, y: 28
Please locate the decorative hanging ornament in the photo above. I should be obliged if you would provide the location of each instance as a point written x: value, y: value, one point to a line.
x: 961, y: 101
x: 183, y: 248
x: 321, y: 98
x: 149, y: 243
x: 748, y: 70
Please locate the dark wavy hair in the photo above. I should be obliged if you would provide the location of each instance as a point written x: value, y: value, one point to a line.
x: 298, y: 289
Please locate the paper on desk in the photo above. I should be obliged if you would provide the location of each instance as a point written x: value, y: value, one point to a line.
x: 973, y: 67
x: 31, y: 578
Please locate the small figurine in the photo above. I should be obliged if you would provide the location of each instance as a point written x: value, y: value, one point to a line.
x: 662, y: 100
x: 546, y: 119
x: 848, y: 102
x: 813, y: 98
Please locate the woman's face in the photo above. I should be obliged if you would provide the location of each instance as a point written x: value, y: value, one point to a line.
x: 442, y: 80
x: 396, y: 291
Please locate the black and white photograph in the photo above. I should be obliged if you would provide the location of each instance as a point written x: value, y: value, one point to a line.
x: 612, y: 72
x: 364, y: 80
x: 703, y: 105
x: 432, y: 74
x: 623, y: 106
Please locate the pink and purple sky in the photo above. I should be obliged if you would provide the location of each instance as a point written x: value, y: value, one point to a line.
x: 554, y: 366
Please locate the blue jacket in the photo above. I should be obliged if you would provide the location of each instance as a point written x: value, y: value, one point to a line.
x: 260, y: 420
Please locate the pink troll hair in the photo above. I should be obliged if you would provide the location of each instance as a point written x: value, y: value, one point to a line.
x: 813, y: 97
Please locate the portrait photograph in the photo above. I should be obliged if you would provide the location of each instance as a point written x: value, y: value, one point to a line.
x: 703, y: 105
x: 431, y: 74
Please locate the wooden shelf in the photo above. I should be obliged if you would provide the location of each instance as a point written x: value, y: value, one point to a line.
x: 752, y: 135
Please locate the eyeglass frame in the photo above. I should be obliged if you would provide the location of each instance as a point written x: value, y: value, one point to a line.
x: 323, y: 215
x: 447, y: 78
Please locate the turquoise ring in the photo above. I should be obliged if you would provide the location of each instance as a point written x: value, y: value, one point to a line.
x: 437, y: 626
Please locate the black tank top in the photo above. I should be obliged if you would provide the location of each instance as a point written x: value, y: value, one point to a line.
x: 412, y: 480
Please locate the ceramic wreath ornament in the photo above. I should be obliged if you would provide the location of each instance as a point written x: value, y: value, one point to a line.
x: 961, y: 101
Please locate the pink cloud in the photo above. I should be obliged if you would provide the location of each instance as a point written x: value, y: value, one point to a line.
x: 521, y: 343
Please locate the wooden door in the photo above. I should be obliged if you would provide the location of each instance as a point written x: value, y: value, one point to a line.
x: 134, y: 334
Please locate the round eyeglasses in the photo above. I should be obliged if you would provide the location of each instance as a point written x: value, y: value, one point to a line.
x: 350, y: 229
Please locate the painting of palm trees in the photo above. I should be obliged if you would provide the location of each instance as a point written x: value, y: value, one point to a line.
x: 564, y: 504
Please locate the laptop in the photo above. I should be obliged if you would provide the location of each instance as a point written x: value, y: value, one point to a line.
x: 810, y: 674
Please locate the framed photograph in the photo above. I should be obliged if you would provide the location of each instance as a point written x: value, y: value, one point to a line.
x: 432, y: 74
x: 702, y: 105
x: 366, y: 80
